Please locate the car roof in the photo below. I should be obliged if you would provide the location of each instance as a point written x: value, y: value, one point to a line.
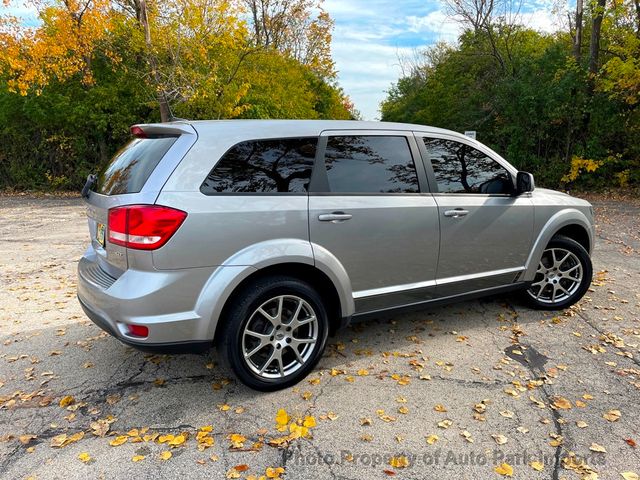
x: 258, y: 128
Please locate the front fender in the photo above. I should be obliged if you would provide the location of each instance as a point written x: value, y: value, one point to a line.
x: 567, y: 216
x: 225, y: 279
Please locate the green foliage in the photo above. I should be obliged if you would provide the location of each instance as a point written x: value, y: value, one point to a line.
x: 531, y: 101
x: 56, y: 129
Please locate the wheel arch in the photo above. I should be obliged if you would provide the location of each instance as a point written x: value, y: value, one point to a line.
x: 299, y: 271
x: 571, y: 223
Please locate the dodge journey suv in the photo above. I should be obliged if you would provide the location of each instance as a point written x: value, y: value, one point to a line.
x: 263, y: 236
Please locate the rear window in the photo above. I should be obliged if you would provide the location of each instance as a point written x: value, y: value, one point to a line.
x: 130, y: 168
x: 370, y: 164
x: 264, y: 166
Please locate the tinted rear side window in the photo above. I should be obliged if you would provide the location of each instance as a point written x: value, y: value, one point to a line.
x: 131, y: 167
x: 370, y: 164
x: 264, y: 166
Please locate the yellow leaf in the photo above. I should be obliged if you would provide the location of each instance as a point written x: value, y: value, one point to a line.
x: 84, y: 457
x: 166, y: 455
x: 271, y: 472
x: 309, y: 422
x: 282, y: 418
x: 537, y: 466
x: 119, y: 440
x: 431, y: 439
x: 363, y: 372
x: 597, y: 448
x: 399, y: 462
x: 440, y: 408
x: 612, y: 415
x: 504, y: 469
x: 561, y: 403
x: 404, y: 410
x: 237, y: 440
x: 224, y: 408
x: 66, y: 401
x: 630, y: 476
x: 137, y: 458
x: 177, y: 440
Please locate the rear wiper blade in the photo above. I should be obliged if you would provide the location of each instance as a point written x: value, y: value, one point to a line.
x: 91, y: 179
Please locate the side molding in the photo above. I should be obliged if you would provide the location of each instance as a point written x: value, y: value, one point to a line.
x: 567, y: 216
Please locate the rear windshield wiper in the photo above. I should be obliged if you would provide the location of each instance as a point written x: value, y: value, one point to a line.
x: 91, y: 179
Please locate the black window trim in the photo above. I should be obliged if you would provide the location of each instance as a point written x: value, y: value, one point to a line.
x: 433, y: 184
x: 263, y: 194
x: 319, y: 184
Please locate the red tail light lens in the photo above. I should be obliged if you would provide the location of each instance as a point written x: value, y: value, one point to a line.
x: 138, y: 330
x: 143, y: 227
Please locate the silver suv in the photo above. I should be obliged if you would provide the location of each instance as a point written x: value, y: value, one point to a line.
x: 264, y: 236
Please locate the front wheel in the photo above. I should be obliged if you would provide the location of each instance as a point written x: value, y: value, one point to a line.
x: 274, y: 333
x: 563, y: 275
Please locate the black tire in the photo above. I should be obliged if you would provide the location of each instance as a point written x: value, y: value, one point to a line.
x: 244, y: 308
x: 581, y: 255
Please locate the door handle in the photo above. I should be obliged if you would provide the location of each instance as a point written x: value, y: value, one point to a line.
x: 334, y: 217
x: 458, y: 212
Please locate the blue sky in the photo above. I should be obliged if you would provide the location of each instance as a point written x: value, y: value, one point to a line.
x: 371, y: 36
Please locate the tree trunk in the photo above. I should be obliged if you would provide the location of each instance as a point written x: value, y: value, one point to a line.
x: 577, y: 41
x: 594, y: 46
x: 165, y: 110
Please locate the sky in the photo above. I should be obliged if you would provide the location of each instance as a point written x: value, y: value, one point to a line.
x: 372, y: 36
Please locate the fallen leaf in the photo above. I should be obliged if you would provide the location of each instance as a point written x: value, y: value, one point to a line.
x: 597, y: 448
x: 500, y: 439
x: 119, y: 440
x: 137, y: 458
x: 431, y: 439
x: 537, y: 466
x: 581, y: 424
x: 504, y: 469
x: 440, y: 408
x: 631, y: 442
x: 630, y: 476
x: 66, y: 401
x: 84, y: 457
x: 282, y: 418
x: 399, y: 462
x: 561, y: 403
x: 612, y: 415
x: 166, y: 455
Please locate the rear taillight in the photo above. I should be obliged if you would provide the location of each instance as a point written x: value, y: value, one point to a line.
x: 143, y: 227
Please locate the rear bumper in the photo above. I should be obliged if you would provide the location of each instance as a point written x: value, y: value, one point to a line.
x: 165, y: 302
x: 180, y: 347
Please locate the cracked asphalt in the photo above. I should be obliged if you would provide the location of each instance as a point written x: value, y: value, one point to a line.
x: 492, y: 379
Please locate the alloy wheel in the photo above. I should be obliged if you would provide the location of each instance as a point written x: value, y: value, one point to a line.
x: 558, y: 276
x: 280, y: 336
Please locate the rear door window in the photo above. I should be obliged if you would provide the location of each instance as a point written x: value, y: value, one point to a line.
x: 131, y: 167
x: 264, y: 166
x: 370, y: 164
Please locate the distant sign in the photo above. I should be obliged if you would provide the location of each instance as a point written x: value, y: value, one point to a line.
x: 470, y: 134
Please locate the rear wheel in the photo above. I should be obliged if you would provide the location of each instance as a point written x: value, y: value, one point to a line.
x: 563, y: 275
x: 274, y: 333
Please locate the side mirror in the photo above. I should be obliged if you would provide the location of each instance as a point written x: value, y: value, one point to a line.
x: 524, y: 183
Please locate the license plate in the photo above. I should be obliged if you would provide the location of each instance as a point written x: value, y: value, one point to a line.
x: 100, y: 233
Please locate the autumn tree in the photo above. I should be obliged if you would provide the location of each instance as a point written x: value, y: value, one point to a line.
x: 300, y: 29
